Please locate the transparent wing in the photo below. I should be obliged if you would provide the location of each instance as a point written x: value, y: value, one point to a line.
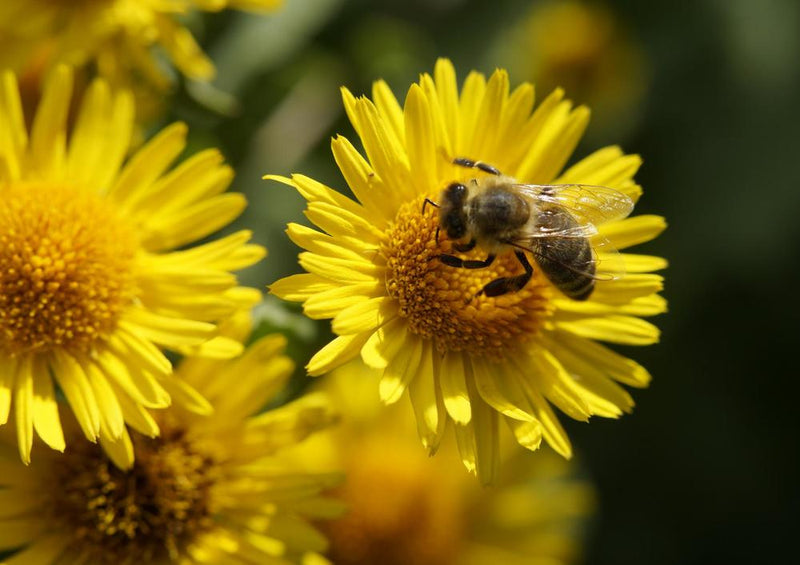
x: 609, y: 264
x: 605, y: 264
x: 588, y: 204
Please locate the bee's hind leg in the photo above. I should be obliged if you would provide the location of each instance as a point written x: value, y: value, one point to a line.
x: 504, y: 285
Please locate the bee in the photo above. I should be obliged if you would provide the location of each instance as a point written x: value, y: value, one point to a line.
x: 556, y: 224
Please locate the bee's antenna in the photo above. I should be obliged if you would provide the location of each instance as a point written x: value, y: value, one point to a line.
x: 437, y: 235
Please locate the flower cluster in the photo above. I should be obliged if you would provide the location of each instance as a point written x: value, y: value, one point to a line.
x: 146, y: 418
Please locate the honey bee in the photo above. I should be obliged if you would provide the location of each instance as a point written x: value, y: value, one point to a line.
x: 556, y: 224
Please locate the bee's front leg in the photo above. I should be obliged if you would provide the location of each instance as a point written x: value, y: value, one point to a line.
x: 459, y: 263
x: 464, y: 247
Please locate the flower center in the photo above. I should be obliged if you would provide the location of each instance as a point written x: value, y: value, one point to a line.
x: 401, y: 510
x: 146, y: 515
x: 440, y: 302
x: 66, y: 262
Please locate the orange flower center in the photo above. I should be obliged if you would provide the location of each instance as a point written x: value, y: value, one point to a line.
x: 66, y: 263
x: 441, y: 302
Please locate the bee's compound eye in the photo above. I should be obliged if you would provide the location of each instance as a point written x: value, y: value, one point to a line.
x: 457, y: 192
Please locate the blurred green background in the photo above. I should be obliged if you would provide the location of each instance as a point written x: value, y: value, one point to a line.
x: 708, y: 92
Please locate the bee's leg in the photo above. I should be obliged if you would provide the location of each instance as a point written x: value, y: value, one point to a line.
x: 453, y: 261
x: 464, y: 247
x: 504, y: 285
x: 428, y: 201
x: 469, y: 163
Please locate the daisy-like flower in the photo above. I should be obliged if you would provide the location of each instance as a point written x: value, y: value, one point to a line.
x: 404, y: 507
x: 584, y: 48
x: 209, y: 489
x: 91, y: 284
x: 117, y: 36
x: 471, y: 359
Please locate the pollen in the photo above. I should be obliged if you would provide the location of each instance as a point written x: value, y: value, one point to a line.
x: 146, y: 515
x: 66, y: 261
x: 441, y: 302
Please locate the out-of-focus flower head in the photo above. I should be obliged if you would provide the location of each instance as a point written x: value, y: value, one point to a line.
x: 477, y: 361
x: 585, y: 49
x: 128, y: 42
x: 404, y: 507
x: 210, y: 489
x: 97, y: 272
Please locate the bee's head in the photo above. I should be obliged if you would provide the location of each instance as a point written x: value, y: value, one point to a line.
x: 452, y: 212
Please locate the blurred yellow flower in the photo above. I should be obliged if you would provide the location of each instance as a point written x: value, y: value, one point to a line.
x: 209, y: 489
x: 475, y: 360
x: 583, y: 48
x: 91, y: 283
x: 404, y: 507
x: 118, y: 37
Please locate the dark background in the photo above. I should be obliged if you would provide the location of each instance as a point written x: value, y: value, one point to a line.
x: 705, y: 470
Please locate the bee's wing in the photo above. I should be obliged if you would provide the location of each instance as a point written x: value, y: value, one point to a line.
x: 609, y: 263
x: 588, y: 204
x: 605, y: 264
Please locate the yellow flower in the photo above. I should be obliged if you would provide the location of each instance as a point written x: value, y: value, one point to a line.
x: 474, y: 360
x: 117, y: 36
x: 585, y: 49
x: 207, y: 490
x: 91, y: 284
x: 404, y: 507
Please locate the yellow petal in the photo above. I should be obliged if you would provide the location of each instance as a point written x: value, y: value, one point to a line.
x: 643, y: 263
x: 137, y: 382
x: 336, y: 353
x: 168, y: 231
x: 148, y: 164
x: 48, y: 137
x: 23, y: 407
x: 468, y: 105
x: 73, y: 381
x: 625, y: 330
x: 444, y: 76
x: 426, y: 400
x: 613, y: 364
x: 485, y: 422
x: 498, y: 389
x: 389, y: 109
x: 13, y: 134
x: 45, y: 408
x: 365, y: 315
x: 340, y: 270
x: 298, y: 288
x: 557, y: 385
x: 484, y: 135
x: 119, y: 449
x: 400, y: 371
x: 527, y: 434
x: 453, y: 383
x: 633, y: 231
x: 112, y: 421
x: 329, y: 303
x: 8, y: 372
x: 384, y: 344
x: 363, y: 181
x: 422, y: 154
x: 553, y: 433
